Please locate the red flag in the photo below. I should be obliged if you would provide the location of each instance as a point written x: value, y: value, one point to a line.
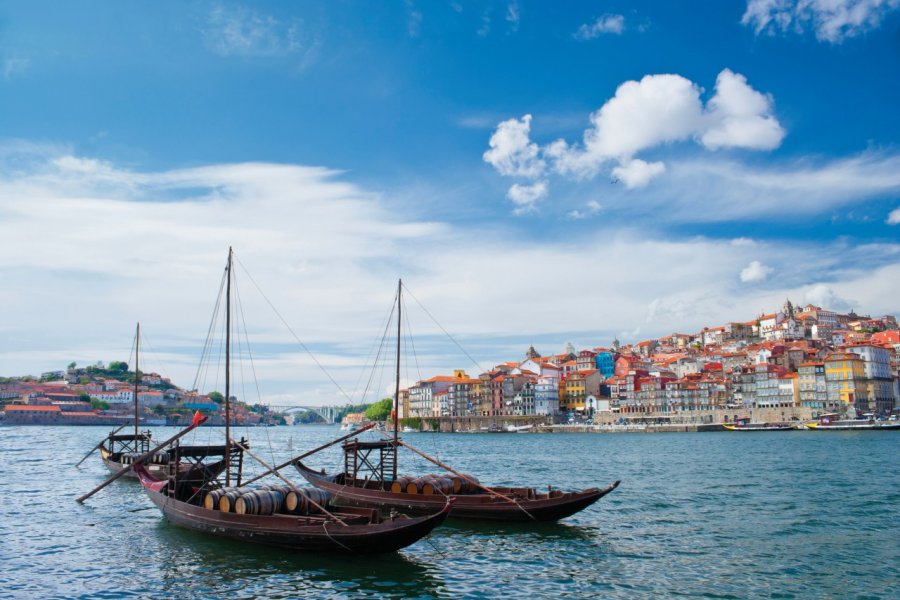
x: 198, y: 418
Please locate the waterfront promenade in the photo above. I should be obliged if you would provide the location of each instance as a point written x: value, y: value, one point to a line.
x: 611, y: 422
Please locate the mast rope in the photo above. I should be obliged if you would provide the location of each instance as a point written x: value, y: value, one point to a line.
x: 296, y: 337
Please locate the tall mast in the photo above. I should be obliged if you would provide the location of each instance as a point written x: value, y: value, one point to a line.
x: 137, y: 346
x: 396, y: 410
x: 228, y: 372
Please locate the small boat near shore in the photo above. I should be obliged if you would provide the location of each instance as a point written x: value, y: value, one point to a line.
x: 746, y: 425
x: 833, y: 422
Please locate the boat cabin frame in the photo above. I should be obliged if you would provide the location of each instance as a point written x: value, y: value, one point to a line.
x: 374, y: 460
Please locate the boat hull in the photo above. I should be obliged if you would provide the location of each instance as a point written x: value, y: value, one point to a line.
x: 865, y: 426
x: 761, y: 427
x: 295, y: 532
x: 542, y: 507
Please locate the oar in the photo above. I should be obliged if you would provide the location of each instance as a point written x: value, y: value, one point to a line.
x: 118, y: 429
x: 141, y: 459
x: 305, y: 454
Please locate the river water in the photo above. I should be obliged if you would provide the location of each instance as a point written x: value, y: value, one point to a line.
x: 711, y: 515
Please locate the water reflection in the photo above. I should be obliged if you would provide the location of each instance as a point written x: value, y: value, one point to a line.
x: 201, y: 561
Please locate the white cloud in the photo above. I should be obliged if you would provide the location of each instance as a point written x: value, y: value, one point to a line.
x: 414, y: 19
x: 525, y: 197
x: 13, y: 66
x: 643, y: 115
x: 637, y: 173
x: 512, y: 153
x: 755, y: 271
x: 657, y: 109
x: 740, y: 116
x: 823, y: 296
x: 832, y: 20
x: 614, y: 24
x: 894, y: 217
x: 128, y: 245
x: 240, y: 31
x: 592, y: 207
x: 721, y: 190
x: 513, y: 16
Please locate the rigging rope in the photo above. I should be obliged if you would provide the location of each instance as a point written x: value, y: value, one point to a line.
x: 299, y: 341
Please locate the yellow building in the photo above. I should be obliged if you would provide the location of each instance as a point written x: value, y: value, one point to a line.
x: 845, y: 380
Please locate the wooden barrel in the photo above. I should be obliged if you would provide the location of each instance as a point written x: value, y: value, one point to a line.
x: 259, y: 502
x: 317, y: 496
x: 229, y: 497
x: 422, y: 485
x: 443, y: 485
x: 295, y: 503
x: 465, y: 484
x: 398, y: 486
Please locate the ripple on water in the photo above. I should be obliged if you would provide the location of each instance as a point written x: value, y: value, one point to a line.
x: 697, y: 515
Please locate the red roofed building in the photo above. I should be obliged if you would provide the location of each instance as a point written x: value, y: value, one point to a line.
x: 29, y: 414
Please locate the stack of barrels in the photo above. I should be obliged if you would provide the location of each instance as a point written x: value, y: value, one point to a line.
x: 446, y: 484
x: 159, y: 458
x: 267, y: 500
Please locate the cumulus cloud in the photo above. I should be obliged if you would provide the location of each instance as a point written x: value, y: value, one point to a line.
x: 643, y: 115
x: 614, y: 24
x: 512, y: 153
x: 824, y: 297
x: 894, y: 217
x: 525, y: 197
x: 636, y: 173
x: 831, y: 20
x: 655, y: 110
x: 120, y: 240
x: 755, y: 271
x: 739, y: 116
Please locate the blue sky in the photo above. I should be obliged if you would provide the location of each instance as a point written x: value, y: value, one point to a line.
x: 535, y: 174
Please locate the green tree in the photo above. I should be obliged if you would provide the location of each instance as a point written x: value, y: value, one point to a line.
x: 118, y: 365
x: 380, y: 411
x: 98, y: 404
x: 72, y: 365
x: 217, y: 397
x: 84, y: 397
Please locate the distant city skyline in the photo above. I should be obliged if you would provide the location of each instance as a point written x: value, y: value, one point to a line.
x: 535, y: 175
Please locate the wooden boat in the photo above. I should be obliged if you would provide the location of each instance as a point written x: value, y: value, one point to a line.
x: 495, y: 503
x: 370, y: 479
x: 262, y: 515
x: 746, y: 425
x: 359, y: 531
x: 833, y: 422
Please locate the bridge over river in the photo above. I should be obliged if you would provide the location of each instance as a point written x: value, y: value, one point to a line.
x: 328, y: 413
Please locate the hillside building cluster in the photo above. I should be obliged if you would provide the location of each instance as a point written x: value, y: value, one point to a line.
x: 807, y: 357
x: 78, y: 397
